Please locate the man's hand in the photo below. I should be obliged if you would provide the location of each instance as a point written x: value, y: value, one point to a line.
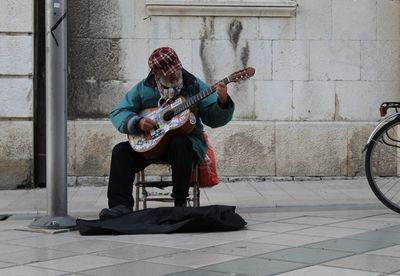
x: 146, y: 124
x: 222, y: 92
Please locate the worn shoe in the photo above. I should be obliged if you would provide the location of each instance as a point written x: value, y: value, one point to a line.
x: 180, y: 202
x: 114, y: 212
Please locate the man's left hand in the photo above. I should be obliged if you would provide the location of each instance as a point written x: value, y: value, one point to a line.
x: 222, y: 92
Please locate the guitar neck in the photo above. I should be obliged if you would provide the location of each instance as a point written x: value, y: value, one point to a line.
x: 198, y: 97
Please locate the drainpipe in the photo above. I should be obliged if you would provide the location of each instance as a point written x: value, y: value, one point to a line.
x: 56, y: 118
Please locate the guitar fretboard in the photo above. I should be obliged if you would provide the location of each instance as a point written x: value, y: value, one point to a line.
x: 196, y: 98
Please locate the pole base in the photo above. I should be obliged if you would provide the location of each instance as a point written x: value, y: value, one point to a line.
x: 54, y: 222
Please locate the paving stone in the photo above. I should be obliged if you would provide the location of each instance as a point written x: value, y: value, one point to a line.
x: 393, y: 251
x: 31, y: 255
x: 244, y: 248
x: 349, y: 245
x: 326, y: 231
x: 395, y: 228
x: 305, y: 255
x: 328, y: 271
x: 31, y: 271
x: 88, y: 246
x: 193, y: 259
x: 139, y: 268
x: 138, y: 252
x: 380, y: 236
x: 288, y: 239
x: 374, y: 263
x: 254, y: 266
x: 364, y: 224
x: 312, y: 220
x: 198, y: 272
x: 78, y: 263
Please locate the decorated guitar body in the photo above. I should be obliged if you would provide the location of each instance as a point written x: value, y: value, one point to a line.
x: 152, y: 145
x: 174, y: 118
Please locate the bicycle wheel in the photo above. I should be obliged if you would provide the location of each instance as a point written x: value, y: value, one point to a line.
x: 382, y: 164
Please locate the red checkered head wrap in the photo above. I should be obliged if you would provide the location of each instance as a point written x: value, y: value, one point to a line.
x: 165, y: 60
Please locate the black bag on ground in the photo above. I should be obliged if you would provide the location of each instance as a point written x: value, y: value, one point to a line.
x: 164, y: 220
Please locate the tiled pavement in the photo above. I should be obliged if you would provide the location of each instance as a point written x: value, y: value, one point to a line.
x: 326, y: 227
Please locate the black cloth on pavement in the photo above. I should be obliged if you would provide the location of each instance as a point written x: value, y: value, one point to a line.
x: 165, y: 220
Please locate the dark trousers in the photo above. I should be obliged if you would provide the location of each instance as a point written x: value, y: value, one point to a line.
x: 125, y: 162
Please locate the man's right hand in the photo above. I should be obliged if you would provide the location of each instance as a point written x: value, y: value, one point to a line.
x: 146, y: 124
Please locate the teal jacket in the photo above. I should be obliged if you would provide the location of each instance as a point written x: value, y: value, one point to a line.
x: 145, y: 95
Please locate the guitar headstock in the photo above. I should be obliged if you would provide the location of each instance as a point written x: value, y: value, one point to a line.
x: 245, y: 73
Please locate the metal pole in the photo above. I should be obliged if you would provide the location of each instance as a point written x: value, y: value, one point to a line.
x: 56, y: 118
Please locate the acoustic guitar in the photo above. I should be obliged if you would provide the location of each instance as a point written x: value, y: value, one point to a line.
x: 175, y: 118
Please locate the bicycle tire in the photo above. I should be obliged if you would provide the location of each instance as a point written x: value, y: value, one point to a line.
x: 372, y: 155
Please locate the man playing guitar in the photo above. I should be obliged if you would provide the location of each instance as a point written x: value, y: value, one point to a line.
x: 166, y: 81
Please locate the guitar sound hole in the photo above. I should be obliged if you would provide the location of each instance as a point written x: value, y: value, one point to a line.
x: 168, y: 115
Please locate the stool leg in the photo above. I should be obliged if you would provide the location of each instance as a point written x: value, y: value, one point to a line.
x: 196, y: 190
x: 137, y: 193
x: 194, y: 196
x: 144, y: 197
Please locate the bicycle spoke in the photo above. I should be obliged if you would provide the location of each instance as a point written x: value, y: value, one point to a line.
x: 395, y: 195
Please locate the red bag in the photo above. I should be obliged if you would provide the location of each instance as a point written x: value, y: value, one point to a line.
x: 208, y: 176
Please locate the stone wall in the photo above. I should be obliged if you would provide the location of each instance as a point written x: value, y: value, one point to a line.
x: 16, y: 93
x: 320, y: 78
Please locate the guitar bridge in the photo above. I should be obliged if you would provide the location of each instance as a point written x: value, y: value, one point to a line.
x: 157, y: 133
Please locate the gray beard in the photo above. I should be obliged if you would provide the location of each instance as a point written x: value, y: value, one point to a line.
x: 169, y: 84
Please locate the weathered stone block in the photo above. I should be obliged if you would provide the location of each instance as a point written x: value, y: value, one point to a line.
x: 388, y: 20
x: 186, y: 27
x: 156, y: 27
x: 335, y: 60
x: 105, y: 19
x: 311, y: 149
x: 277, y: 28
x: 358, y: 134
x: 243, y: 96
x: 16, y: 55
x: 313, y: 101
x: 314, y: 19
x: 99, y: 61
x: 16, y: 154
x: 354, y: 20
x: 16, y: 98
x: 217, y: 58
x: 78, y: 24
x: 111, y: 18
x: 71, y: 151
x: 291, y: 60
x: 235, y: 29
x: 93, y: 152
x: 244, y: 148
x: 273, y: 100
x: 380, y: 60
x: 359, y: 101
x: 259, y: 56
x: 205, y: 67
x: 94, y: 99
x: 133, y: 58
x: 16, y: 16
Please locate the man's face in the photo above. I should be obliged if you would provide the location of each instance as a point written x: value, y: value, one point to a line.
x: 171, y: 80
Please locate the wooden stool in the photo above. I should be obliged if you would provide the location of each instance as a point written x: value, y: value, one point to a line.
x: 141, y: 194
